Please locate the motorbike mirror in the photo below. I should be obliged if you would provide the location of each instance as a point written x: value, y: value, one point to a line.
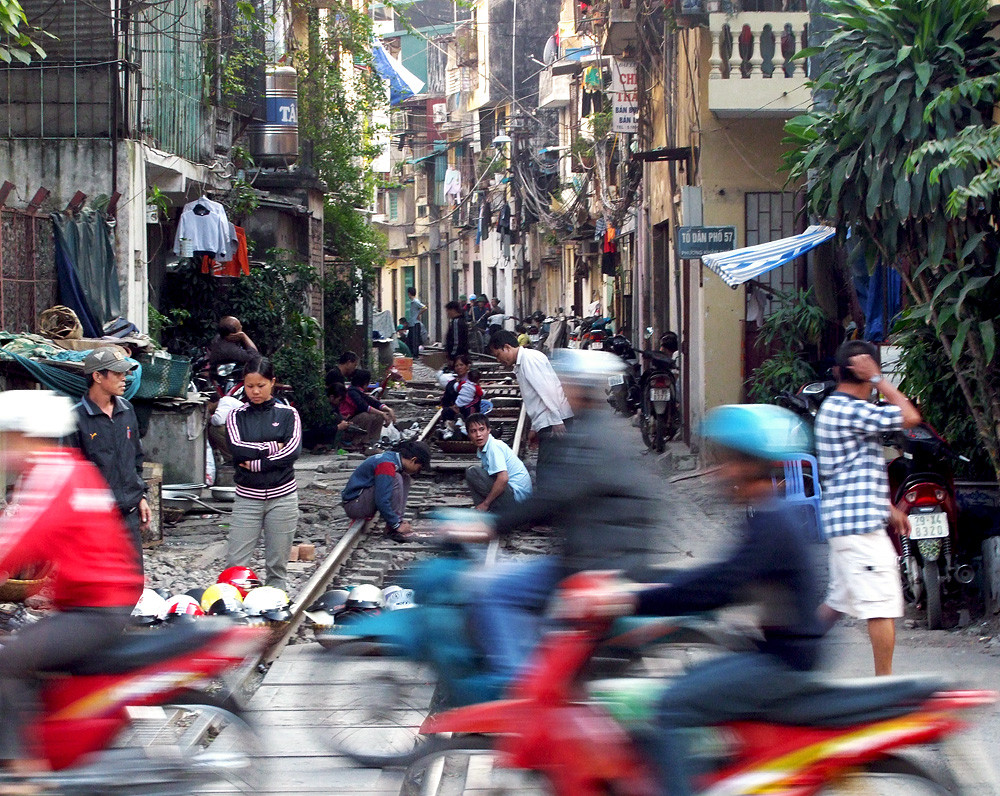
x: 649, y: 333
x: 225, y: 370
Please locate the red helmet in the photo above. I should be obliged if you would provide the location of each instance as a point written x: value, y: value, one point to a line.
x: 243, y: 578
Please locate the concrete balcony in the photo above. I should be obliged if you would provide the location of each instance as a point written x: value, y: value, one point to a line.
x: 554, y: 91
x: 617, y: 22
x: 751, y: 74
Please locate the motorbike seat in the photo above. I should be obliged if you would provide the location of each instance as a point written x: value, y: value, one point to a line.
x: 660, y: 360
x: 839, y: 703
x: 136, y: 650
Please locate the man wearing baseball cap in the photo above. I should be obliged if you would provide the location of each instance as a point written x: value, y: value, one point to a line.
x: 108, y: 435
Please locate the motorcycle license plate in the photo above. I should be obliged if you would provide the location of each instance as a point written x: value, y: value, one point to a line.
x: 661, y: 394
x: 597, y: 345
x: 929, y: 526
x: 614, y: 381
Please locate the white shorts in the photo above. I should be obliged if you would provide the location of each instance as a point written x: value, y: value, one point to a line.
x: 864, y: 576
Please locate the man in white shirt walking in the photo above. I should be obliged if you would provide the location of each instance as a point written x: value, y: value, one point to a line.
x: 542, y: 393
x: 501, y: 480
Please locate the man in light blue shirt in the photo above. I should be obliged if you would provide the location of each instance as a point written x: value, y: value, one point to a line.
x: 502, y: 479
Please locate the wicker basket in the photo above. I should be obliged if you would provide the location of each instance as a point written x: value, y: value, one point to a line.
x: 17, y: 590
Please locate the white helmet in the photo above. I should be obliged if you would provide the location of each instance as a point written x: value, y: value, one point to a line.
x: 268, y: 602
x: 366, y: 595
x: 151, y: 607
x: 37, y: 413
x: 585, y: 368
x: 396, y: 597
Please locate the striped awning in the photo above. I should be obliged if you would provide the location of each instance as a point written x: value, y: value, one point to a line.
x: 742, y: 265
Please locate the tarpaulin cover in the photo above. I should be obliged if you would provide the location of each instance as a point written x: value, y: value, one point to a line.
x: 742, y: 265
x: 403, y: 84
x: 86, y: 269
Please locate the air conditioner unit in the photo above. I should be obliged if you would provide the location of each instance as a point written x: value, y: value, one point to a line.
x: 440, y: 112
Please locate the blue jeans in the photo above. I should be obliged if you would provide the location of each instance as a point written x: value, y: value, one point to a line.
x: 507, y: 609
x: 737, y: 687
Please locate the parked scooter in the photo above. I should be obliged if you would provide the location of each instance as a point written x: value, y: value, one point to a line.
x: 579, y: 737
x: 623, y: 388
x: 104, y: 728
x: 806, y: 401
x: 922, y: 485
x: 595, y: 333
x: 659, y: 407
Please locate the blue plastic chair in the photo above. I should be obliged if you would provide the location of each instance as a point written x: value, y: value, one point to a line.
x: 795, y: 487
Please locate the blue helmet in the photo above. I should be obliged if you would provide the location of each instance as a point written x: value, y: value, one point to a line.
x: 760, y: 430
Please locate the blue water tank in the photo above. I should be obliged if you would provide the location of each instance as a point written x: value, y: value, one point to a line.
x: 275, y: 143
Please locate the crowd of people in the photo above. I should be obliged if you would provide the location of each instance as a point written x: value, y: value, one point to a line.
x: 82, y: 498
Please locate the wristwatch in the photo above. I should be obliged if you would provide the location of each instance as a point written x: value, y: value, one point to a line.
x: 876, y: 378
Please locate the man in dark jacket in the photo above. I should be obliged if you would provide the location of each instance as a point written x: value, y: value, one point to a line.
x: 382, y: 483
x: 108, y: 435
x: 604, y: 516
x: 457, y: 339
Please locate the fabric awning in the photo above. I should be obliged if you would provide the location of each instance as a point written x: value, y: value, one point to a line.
x: 742, y: 265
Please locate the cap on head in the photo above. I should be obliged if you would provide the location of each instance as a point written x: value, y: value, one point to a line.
x: 107, y: 358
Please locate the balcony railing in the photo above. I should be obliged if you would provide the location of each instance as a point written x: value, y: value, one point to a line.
x: 752, y: 73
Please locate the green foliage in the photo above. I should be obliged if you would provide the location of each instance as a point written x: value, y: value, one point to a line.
x: 160, y: 323
x: 272, y: 305
x: 905, y: 158
x: 159, y: 200
x: 922, y: 363
x: 240, y: 200
x: 15, y: 43
x: 337, y: 108
x: 796, y: 324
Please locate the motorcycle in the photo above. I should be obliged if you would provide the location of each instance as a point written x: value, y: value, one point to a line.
x: 576, y: 737
x: 435, y: 632
x: 623, y: 388
x: 594, y: 333
x: 223, y: 380
x: 659, y: 407
x: 922, y: 485
x: 132, y: 720
x: 806, y: 401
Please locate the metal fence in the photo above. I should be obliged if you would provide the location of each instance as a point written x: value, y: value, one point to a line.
x: 27, y: 269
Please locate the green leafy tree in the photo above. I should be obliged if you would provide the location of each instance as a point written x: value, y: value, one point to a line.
x: 876, y: 164
x: 15, y: 43
x: 339, y: 93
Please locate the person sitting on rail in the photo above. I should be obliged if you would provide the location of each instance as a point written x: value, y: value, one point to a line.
x: 363, y: 410
x: 501, y: 480
x: 382, y: 483
x: 462, y: 397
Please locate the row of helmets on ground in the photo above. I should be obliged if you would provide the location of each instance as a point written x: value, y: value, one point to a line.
x: 239, y: 594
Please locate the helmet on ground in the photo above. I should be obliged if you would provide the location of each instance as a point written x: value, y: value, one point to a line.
x: 324, y: 611
x: 365, y: 596
x: 759, y: 430
x: 243, y: 578
x: 221, y: 598
x: 269, y: 603
x: 183, y: 605
x: 150, y: 609
x: 36, y: 413
x: 164, y: 593
x: 396, y: 597
x: 196, y: 594
x: 582, y: 367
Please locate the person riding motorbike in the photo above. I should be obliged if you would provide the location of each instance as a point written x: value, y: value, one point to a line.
x: 772, y: 559
x: 603, y: 515
x: 62, y: 516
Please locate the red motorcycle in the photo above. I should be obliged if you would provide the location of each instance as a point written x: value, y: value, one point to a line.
x: 131, y: 720
x: 839, y: 735
x: 922, y: 485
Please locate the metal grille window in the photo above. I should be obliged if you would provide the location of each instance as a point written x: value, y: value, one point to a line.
x: 771, y: 216
x: 393, y: 206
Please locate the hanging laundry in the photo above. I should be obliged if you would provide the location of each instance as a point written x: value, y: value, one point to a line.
x: 237, y: 265
x: 203, y: 227
x: 483, y: 227
x: 593, y: 91
x: 453, y: 184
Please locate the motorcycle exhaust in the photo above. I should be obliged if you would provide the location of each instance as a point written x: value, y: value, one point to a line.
x: 965, y: 574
